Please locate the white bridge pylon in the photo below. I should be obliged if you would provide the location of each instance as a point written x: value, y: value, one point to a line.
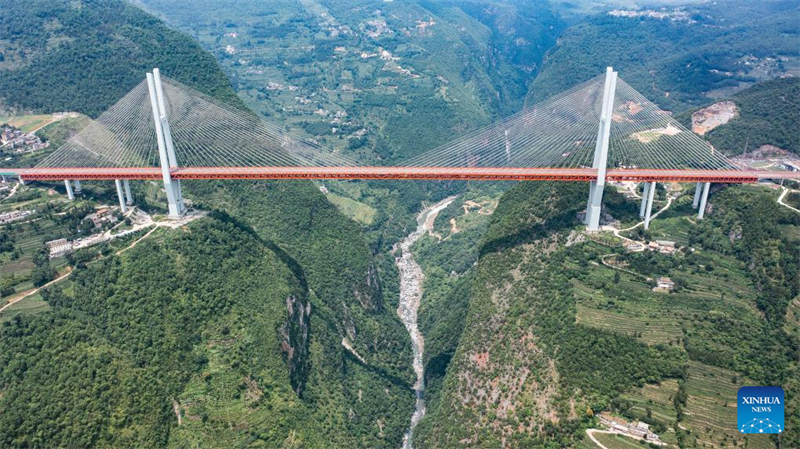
x: 600, y: 162
x: 166, y: 148
x: 598, y: 130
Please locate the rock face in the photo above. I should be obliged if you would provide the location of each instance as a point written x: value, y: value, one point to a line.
x: 712, y: 116
x: 293, y: 336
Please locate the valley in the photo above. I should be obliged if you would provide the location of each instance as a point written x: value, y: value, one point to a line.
x: 317, y: 313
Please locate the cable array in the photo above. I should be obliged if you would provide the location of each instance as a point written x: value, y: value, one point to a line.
x: 644, y: 136
x: 123, y: 136
x: 205, y: 133
x: 210, y: 133
x: 560, y: 132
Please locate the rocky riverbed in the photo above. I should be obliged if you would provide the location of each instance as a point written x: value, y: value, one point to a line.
x: 411, y: 288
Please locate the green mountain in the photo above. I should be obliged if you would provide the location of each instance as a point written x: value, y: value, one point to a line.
x: 263, y: 326
x: 552, y: 336
x: 768, y: 114
x: 678, y: 57
x: 85, y: 55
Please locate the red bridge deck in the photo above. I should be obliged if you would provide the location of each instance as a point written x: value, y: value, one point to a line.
x: 443, y: 173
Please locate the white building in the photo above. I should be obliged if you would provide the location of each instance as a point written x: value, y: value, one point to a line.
x: 59, y: 247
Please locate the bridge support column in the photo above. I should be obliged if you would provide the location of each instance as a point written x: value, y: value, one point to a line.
x: 70, y: 195
x: 644, y: 199
x: 78, y: 187
x: 697, y: 192
x: 120, y: 196
x: 21, y: 181
x: 128, y: 196
x: 649, y: 210
x: 166, y: 150
x: 703, y: 201
x: 601, y: 153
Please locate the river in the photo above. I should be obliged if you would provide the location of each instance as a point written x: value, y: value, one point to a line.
x: 411, y: 279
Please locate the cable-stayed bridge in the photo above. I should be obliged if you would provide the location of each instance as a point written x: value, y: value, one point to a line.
x: 601, y: 130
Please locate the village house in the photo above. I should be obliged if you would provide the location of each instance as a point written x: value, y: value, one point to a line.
x: 102, y: 216
x: 59, y: 247
x: 666, y: 246
x: 790, y: 165
x: 20, y: 142
x: 16, y: 215
x: 664, y: 284
x: 636, y: 429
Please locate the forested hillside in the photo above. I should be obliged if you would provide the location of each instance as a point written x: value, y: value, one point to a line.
x: 682, y: 57
x: 104, y: 367
x: 305, y: 350
x: 553, y: 337
x: 768, y: 114
x: 83, y: 56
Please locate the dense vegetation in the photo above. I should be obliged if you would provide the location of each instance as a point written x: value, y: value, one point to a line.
x: 677, y: 62
x: 579, y: 338
x: 329, y: 394
x: 58, y: 55
x: 120, y: 364
x: 768, y: 115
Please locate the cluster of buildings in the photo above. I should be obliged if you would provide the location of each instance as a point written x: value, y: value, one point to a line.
x: 16, y: 215
x: 19, y: 142
x: 103, y: 216
x: 62, y: 247
x: 661, y: 246
x: 676, y: 15
x: 640, y: 430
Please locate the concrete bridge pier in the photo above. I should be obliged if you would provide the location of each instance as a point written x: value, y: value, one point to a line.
x: 70, y: 194
x: 651, y: 192
x: 645, y: 192
x: 120, y: 196
x: 703, y: 200
x: 128, y: 195
x: 600, y: 162
x: 21, y: 181
x: 78, y: 187
x: 698, y: 191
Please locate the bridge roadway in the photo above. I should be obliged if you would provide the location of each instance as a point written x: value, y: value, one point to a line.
x: 443, y: 173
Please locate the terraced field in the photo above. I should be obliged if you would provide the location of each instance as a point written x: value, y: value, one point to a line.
x: 654, y: 397
x: 27, y: 123
x: 618, y: 442
x: 650, y: 329
x: 711, y: 409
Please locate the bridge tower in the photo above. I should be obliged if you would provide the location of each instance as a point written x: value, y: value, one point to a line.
x: 600, y: 162
x: 166, y: 149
